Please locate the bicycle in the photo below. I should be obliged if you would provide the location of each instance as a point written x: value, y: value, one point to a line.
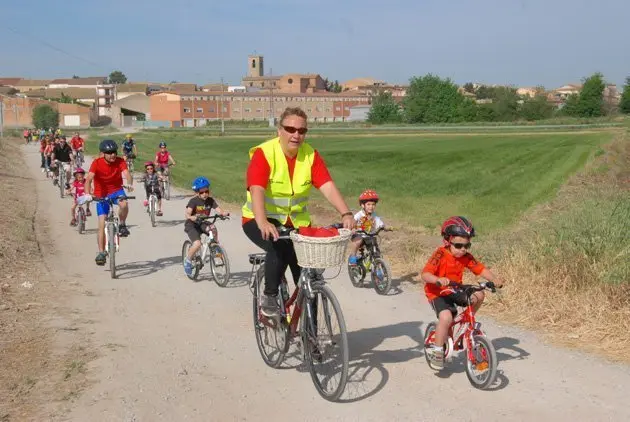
x: 130, y: 166
x: 210, y: 252
x: 274, y: 335
x: 370, y: 259
x: 165, y: 183
x: 112, y: 238
x: 80, y: 217
x: 61, y: 177
x: 152, y: 203
x: 79, y: 158
x: 481, y: 358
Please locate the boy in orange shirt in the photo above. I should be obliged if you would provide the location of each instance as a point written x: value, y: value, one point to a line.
x: 446, y: 266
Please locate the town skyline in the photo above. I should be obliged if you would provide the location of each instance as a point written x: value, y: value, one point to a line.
x: 525, y: 43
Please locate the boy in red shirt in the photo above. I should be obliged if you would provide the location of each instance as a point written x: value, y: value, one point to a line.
x: 446, y: 266
x: 107, y: 173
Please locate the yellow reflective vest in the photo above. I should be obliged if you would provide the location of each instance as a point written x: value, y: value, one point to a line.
x: 284, y: 197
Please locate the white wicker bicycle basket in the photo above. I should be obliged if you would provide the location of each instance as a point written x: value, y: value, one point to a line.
x: 321, y: 252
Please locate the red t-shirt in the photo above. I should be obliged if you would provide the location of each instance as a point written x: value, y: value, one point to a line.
x: 258, y: 172
x: 443, y: 264
x: 77, y: 142
x: 107, y: 177
x: 162, y: 157
x: 79, y: 188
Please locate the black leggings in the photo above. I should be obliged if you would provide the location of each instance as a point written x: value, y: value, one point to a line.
x: 280, y: 255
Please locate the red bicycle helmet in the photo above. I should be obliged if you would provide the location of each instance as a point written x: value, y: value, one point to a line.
x: 78, y: 170
x: 457, y: 226
x: 368, y: 196
x: 148, y: 163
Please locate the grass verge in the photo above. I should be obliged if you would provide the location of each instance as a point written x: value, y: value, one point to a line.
x: 33, y: 357
x: 568, y: 262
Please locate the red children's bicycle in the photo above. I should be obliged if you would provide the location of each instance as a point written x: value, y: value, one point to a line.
x: 465, y: 334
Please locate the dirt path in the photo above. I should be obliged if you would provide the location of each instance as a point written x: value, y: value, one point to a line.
x: 171, y: 349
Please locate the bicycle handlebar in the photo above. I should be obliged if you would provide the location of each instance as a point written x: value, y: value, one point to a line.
x: 204, y: 218
x: 285, y: 231
x: 471, y: 288
x: 366, y: 234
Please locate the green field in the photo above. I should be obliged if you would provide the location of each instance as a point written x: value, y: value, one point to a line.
x: 422, y: 178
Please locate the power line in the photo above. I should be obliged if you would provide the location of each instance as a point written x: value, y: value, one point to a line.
x: 100, y: 66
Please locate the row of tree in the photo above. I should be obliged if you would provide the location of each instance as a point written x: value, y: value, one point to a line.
x: 431, y: 99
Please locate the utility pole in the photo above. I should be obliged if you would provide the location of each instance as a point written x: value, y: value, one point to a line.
x: 272, y: 116
x: 221, y: 106
x: 1, y: 116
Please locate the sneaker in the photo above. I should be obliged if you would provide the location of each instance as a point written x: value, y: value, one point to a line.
x: 353, y: 260
x: 159, y: 214
x: 123, y: 230
x: 88, y: 213
x: 436, y: 354
x: 188, y: 266
x: 101, y: 258
x: 73, y: 222
x: 269, y: 306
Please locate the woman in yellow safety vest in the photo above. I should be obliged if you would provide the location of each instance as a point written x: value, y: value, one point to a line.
x: 280, y: 174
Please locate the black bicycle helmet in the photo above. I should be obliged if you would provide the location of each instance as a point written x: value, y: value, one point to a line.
x: 108, y: 146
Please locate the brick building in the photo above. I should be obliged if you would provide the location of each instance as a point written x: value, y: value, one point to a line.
x: 17, y: 112
x: 194, y: 108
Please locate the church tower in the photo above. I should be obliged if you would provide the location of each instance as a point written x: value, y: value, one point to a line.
x: 255, y: 66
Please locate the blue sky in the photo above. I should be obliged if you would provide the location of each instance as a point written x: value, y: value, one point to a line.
x: 520, y: 42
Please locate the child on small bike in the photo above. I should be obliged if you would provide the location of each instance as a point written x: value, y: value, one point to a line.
x: 365, y: 220
x: 163, y: 158
x: 446, y: 267
x: 200, y: 204
x: 152, y: 183
x: 78, y: 190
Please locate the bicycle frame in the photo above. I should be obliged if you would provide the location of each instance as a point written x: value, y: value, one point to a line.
x: 111, y: 219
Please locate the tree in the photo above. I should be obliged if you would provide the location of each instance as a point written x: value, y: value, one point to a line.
x: 624, y: 104
x: 117, y: 77
x: 45, y: 116
x: 591, y: 99
x: 505, y: 103
x: 432, y: 100
x: 332, y: 86
x: 66, y: 99
x: 469, y: 87
x: 75, y: 77
x: 384, y: 109
x: 571, y: 105
x: 536, y: 108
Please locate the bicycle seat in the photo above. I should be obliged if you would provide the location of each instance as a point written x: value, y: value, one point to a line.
x: 257, y: 258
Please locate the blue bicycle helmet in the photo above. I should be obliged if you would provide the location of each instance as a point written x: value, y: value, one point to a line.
x: 200, y: 183
x: 162, y: 144
x: 108, y: 146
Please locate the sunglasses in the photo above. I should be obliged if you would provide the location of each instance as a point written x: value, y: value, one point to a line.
x: 201, y: 192
x: 291, y: 129
x: 462, y: 245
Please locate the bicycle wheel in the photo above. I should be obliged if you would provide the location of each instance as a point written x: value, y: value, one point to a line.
x: 381, y: 280
x: 429, y: 339
x: 272, y: 341
x: 195, y: 272
x: 321, y: 343
x: 111, y: 244
x: 81, y: 220
x: 167, y: 188
x: 62, y: 184
x: 357, y: 274
x: 219, y: 265
x: 482, y: 372
x: 152, y: 203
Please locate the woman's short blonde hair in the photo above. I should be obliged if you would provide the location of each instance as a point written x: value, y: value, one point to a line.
x: 292, y: 111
